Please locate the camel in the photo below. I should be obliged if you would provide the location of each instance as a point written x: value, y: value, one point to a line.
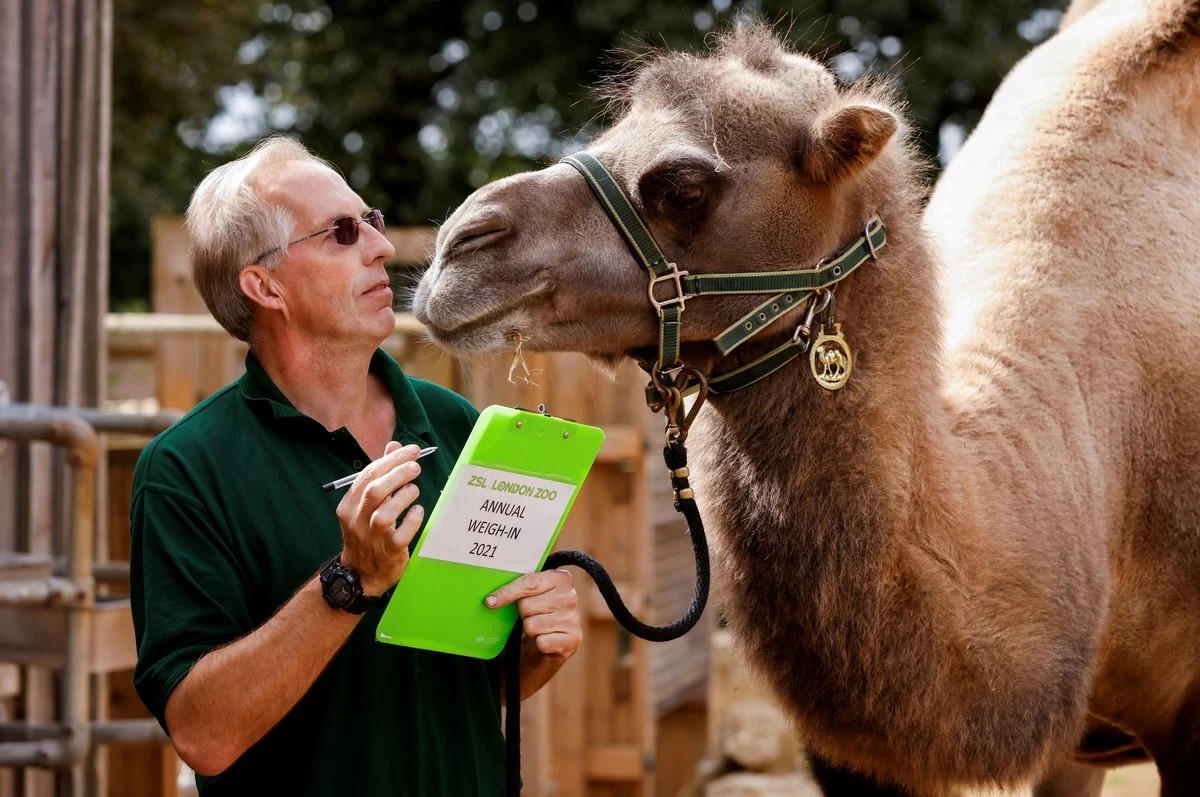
x: 978, y: 562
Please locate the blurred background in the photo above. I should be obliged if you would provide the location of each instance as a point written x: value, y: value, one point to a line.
x: 421, y: 101
x: 113, y: 110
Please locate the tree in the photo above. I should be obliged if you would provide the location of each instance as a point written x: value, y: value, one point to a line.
x: 420, y: 101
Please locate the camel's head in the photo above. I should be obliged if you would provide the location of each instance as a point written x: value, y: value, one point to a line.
x: 749, y: 158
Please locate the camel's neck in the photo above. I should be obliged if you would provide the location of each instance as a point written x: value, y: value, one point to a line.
x: 873, y: 444
x: 847, y: 480
x: 864, y: 560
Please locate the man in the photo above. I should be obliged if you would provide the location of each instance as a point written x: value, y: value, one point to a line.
x: 268, y: 679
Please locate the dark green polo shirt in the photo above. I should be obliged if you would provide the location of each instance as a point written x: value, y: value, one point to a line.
x: 229, y: 520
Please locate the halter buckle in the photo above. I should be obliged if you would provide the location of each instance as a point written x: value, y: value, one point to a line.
x: 673, y: 276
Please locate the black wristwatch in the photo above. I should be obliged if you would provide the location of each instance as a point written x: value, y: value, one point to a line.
x: 342, y: 588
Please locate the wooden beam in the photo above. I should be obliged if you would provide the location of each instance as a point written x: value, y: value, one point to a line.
x: 144, y: 332
x: 12, y: 244
x: 681, y: 744
x: 596, y: 610
x: 413, y: 244
x: 622, y: 444
x: 617, y: 763
x: 10, y: 681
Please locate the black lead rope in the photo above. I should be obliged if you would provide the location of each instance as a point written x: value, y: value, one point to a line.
x: 676, y: 457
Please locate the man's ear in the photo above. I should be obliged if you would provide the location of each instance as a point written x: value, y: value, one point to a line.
x: 844, y: 142
x: 260, y: 287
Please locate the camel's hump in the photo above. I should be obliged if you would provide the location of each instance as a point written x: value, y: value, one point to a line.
x: 1150, y: 33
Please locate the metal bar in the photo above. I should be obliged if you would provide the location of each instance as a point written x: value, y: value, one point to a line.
x: 80, y: 546
x: 25, y: 565
x: 27, y: 423
x: 129, y: 423
x: 111, y: 572
x: 65, y: 428
x: 49, y: 753
x: 129, y: 732
x: 69, y: 427
x: 30, y: 731
x: 41, y: 593
x: 30, y: 738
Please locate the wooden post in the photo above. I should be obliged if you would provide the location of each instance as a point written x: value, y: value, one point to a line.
x: 54, y: 75
x: 183, y: 366
x: 133, y: 770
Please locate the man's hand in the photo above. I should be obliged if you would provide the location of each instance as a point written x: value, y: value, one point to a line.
x: 373, y: 545
x: 549, y: 609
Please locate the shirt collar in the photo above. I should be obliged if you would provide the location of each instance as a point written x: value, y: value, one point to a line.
x: 257, y: 388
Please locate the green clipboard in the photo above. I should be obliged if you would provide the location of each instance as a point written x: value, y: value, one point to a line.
x: 497, y: 518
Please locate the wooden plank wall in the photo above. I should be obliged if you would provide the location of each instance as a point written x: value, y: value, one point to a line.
x: 54, y: 89
x: 678, y: 669
x: 133, y: 770
x: 591, y: 732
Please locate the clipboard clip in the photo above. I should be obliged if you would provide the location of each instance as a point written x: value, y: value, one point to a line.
x: 542, y: 409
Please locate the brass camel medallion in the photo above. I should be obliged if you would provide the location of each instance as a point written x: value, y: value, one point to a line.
x: 830, y: 359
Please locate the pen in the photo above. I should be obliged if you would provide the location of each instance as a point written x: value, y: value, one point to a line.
x: 342, y: 482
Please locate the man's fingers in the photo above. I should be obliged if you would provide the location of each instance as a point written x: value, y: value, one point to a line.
x: 383, y: 519
x: 528, y: 585
x: 561, y: 644
x: 373, y: 543
x: 392, y: 459
x: 384, y: 486
x: 557, y: 622
x: 408, y: 527
x: 559, y: 599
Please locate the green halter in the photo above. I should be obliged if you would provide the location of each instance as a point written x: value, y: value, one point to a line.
x: 790, y: 289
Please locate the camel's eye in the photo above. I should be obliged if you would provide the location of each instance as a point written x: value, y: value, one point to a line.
x: 687, y: 196
x: 679, y: 187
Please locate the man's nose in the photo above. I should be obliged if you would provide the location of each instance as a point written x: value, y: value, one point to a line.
x: 377, y: 244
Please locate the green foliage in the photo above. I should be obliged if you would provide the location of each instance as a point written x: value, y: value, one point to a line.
x: 420, y: 101
x: 168, y: 60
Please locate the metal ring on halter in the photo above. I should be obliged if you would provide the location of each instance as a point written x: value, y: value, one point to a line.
x: 667, y: 372
x: 701, y: 397
x: 679, y: 431
x: 672, y: 396
x: 656, y: 379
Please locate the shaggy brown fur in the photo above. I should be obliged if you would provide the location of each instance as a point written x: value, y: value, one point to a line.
x: 983, y: 553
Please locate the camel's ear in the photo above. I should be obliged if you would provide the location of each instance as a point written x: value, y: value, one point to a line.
x: 845, y: 141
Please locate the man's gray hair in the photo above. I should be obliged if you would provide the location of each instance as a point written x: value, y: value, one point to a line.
x: 229, y: 225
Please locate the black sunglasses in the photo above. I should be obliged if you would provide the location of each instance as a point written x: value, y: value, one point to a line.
x: 345, y: 231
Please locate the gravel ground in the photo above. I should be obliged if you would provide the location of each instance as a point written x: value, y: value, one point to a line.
x: 1138, y: 781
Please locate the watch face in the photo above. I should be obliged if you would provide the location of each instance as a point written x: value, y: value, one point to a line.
x: 340, y: 589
